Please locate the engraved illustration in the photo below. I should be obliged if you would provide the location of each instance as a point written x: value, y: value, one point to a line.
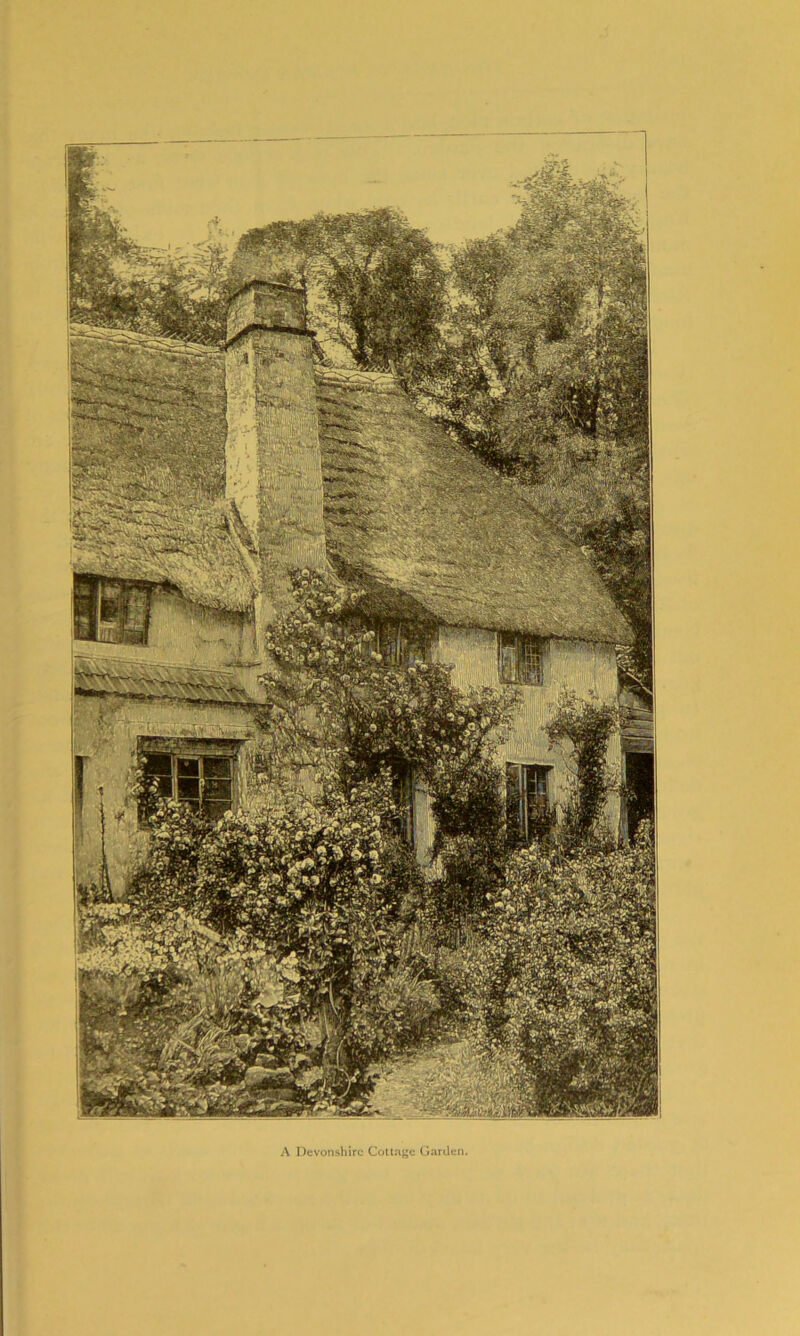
x: 363, y: 717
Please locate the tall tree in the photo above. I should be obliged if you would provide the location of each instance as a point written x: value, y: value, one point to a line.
x: 183, y: 293
x: 114, y: 281
x: 548, y: 334
x: 99, y: 247
x: 375, y: 284
x: 543, y: 370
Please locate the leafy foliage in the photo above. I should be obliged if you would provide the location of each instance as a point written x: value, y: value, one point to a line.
x: 172, y: 1014
x: 99, y: 247
x: 548, y: 325
x: 115, y: 282
x: 587, y: 725
x: 303, y: 881
x: 566, y: 980
x: 350, y: 715
x: 543, y: 370
x: 375, y: 717
x: 603, y: 504
x: 375, y: 284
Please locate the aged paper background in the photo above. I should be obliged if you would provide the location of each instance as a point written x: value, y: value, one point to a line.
x: 676, y: 1225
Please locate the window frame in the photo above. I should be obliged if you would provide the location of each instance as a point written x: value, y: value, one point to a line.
x: 524, y: 771
x: 96, y: 587
x: 408, y: 638
x: 403, y: 789
x: 199, y: 750
x: 79, y: 790
x: 513, y: 647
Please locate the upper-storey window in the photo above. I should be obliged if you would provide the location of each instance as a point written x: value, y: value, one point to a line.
x: 113, y: 611
x: 401, y: 643
x: 521, y: 658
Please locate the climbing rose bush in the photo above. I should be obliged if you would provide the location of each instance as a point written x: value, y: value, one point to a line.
x: 368, y: 716
x: 315, y: 876
x: 585, y: 725
x: 337, y: 704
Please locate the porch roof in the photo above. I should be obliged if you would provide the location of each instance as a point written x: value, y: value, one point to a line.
x: 97, y: 674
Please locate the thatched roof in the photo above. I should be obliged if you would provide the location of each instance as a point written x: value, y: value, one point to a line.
x: 148, y: 465
x: 407, y: 510
x: 408, y: 506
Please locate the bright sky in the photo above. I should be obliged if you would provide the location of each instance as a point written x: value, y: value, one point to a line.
x: 453, y: 186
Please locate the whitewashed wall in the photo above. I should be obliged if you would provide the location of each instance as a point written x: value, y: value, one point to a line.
x: 106, y: 730
x: 181, y: 632
x: 584, y: 668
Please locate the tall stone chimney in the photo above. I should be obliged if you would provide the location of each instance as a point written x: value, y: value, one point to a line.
x: 273, y: 463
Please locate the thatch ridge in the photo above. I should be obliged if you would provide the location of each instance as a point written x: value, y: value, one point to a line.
x: 132, y: 338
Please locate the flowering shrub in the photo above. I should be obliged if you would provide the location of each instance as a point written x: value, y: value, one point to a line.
x: 349, y: 714
x: 116, y: 943
x: 566, y: 979
x: 323, y: 878
x: 370, y: 716
x: 397, y: 1008
x: 172, y: 1015
x: 304, y: 880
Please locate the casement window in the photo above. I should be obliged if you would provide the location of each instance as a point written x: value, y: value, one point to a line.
x: 403, y: 798
x: 528, y: 803
x: 521, y: 658
x: 116, y: 612
x: 401, y: 643
x: 199, y: 774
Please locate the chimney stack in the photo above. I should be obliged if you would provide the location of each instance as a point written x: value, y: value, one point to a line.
x: 272, y: 461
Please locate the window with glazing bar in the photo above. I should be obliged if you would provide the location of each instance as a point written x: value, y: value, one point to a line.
x: 520, y: 658
x: 401, y: 643
x: 115, y: 612
x: 403, y: 797
x: 200, y: 775
x: 527, y: 801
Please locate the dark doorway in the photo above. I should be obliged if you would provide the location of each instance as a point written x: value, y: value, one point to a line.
x: 640, y: 787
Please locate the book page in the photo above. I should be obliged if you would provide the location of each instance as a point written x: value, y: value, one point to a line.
x: 404, y: 1217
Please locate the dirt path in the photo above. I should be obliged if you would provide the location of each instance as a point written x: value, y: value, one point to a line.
x: 408, y: 1087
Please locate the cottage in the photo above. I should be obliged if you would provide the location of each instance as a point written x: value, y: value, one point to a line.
x: 201, y: 477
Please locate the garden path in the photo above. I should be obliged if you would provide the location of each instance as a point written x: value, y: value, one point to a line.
x: 411, y: 1085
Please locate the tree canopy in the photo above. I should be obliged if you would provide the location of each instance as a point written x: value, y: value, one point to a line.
x: 547, y: 337
x: 114, y: 281
x: 375, y: 284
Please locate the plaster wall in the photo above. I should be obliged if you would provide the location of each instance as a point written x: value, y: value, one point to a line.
x: 578, y: 665
x: 181, y: 632
x: 106, y: 730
